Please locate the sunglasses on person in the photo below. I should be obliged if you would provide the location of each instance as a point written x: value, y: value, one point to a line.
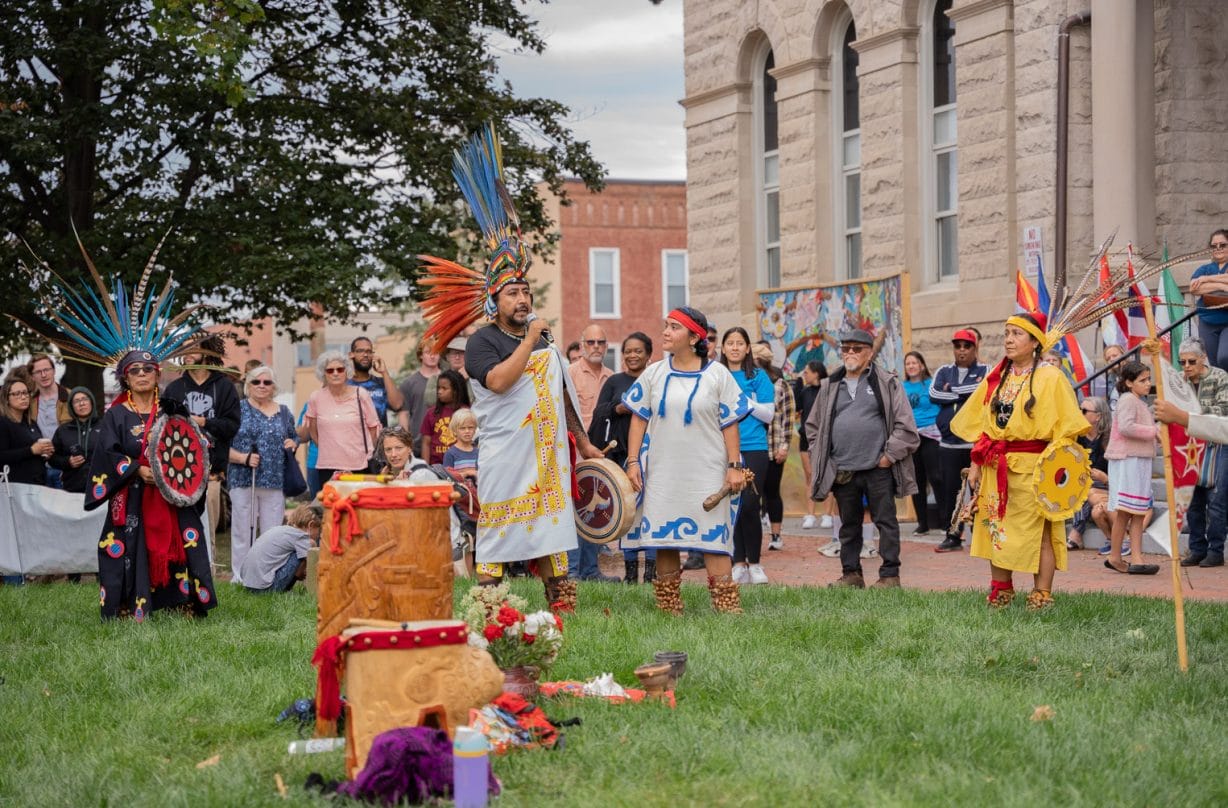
x: 1186, y: 363
x: 962, y: 345
x: 1089, y: 410
x: 262, y: 382
x: 331, y: 371
x: 594, y: 342
x: 1219, y: 245
x: 853, y: 348
x: 141, y: 370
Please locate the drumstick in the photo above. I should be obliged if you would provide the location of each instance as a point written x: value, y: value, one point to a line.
x: 609, y: 447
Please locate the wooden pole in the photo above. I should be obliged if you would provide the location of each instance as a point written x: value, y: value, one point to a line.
x: 1157, y: 374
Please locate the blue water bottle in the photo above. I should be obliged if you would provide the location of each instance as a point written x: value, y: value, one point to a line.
x: 470, y: 768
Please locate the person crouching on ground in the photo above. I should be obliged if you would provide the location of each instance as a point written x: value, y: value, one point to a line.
x: 1014, y: 415
x: 862, y: 433
x: 279, y: 556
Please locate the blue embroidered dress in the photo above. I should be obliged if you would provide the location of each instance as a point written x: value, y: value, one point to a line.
x: 682, y: 458
x: 266, y: 435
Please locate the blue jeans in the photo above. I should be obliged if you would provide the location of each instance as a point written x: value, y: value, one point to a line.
x: 283, y: 579
x: 583, y: 561
x: 1216, y: 343
x: 54, y: 478
x: 633, y: 555
x: 1207, y: 515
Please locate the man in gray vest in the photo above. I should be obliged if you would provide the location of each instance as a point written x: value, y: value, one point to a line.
x: 861, y: 433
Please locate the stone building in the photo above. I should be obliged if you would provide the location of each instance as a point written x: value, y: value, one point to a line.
x: 837, y: 139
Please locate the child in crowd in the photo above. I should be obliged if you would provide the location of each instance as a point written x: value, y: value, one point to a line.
x: 1130, y: 453
x: 452, y: 394
x: 461, y: 459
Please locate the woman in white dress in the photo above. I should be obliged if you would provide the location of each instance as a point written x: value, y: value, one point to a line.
x: 682, y: 448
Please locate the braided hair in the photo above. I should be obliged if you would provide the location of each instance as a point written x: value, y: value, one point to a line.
x: 1031, y: 402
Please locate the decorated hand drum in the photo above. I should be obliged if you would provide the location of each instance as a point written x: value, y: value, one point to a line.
x: 385, y: 554
x: 1062, y: 480
x: 605, y: 510
x: 179, y: 459
x: 421, y: 673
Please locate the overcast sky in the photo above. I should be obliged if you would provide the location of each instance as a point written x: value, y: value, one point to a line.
x: 617, y: 64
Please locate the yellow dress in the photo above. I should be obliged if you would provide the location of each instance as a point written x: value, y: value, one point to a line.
x: 1013, y: 542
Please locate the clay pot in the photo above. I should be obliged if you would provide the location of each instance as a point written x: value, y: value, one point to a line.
x: 676, y: 661
x: 654, y: 678
x: 521, y: 680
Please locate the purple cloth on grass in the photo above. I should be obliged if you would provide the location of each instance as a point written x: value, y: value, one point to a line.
x: 409, y: 763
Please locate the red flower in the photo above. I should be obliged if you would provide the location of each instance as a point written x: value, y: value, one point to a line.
x: 492, y: 632
x: 508, y: 616
x: 529, y: 639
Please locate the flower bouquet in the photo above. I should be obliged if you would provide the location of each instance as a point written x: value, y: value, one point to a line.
x: 498, y: 624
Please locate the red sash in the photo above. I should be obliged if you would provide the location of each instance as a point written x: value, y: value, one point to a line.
x: 987, y: 451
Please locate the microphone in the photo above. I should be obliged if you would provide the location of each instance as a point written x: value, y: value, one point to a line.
x: 546, y: 335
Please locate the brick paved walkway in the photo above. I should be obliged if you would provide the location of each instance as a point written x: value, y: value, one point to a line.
x: 800, y: 564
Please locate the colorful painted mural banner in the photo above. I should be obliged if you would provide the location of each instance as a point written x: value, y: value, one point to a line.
x: 804, y: 323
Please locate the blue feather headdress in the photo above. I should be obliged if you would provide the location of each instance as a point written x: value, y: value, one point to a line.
x: 457, y: 295
x: 100, y: 326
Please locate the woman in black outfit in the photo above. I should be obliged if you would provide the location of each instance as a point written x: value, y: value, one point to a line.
x: 22, y: 449
x: 74, y: 440
x: 612, y: 421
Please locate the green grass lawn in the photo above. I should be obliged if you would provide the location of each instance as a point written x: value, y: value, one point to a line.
x: 813, y: 697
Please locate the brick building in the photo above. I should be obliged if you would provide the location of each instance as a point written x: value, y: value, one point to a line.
x: 836, y: 139
x: 620, y: 262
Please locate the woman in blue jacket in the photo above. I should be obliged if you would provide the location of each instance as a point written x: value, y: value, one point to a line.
x: 753, y: 442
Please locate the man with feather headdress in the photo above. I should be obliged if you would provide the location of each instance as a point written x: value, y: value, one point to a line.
x: 526, y: 409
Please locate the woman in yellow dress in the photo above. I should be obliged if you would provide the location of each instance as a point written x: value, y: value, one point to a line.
x: 1021, y: 409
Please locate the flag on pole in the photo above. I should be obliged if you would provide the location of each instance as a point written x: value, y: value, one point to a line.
x: 1067, y: 347
x: 1113, y: 328
x: 1025, y: 295
x: 1173, y: 308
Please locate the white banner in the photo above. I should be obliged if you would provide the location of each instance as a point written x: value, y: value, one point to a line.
x: 44, y: 531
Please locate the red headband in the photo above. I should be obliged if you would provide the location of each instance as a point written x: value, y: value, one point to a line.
x: 691, y: 325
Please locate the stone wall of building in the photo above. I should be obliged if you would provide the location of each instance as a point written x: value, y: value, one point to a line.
x: 1006, y: 72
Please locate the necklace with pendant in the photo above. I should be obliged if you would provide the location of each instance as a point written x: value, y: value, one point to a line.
x: 510, y: 334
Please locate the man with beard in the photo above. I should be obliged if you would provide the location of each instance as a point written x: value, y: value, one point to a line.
x: 861, y: 432
x: 524, y: 414
x: 385, y: 394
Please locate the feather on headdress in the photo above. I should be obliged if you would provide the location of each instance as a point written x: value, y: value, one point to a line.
x: 456, y: 296
x: 99, y: 326
x: 1106, y: 287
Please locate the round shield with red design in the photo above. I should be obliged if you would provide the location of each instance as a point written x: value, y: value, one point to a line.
x: 179, y: 459
x: 605, y: 510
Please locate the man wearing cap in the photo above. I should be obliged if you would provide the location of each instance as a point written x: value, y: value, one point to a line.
x: 950, y: 388
x: 861, y: 432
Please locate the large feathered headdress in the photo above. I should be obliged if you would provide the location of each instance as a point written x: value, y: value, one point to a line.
x: 101, y: 326
x: 1110, y: 284
x: 456, y: 296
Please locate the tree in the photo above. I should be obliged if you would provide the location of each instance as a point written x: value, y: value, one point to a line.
x: 325, y: 164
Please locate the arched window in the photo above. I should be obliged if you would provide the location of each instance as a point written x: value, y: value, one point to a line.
x: 767, y: 172
x: 846, y: 115
x: 941, y: 159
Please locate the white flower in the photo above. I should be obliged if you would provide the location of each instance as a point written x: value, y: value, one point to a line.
x: 478, y: 641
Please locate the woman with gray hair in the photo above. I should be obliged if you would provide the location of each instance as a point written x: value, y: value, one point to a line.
x: 257, y: 465
x: 341, y: 419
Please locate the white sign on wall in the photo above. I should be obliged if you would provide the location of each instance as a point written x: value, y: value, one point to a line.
x: 1033, y: 247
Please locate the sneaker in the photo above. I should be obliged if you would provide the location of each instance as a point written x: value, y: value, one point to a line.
x: 1212, y: 560
x: 921, y: 531
x: 832, y: 550
x: 757, y: 575
x: 694, y: 561
x: 776, y: 543
x: 849, y: 580
x: 741, y: 575
x: 1105, y: 550
x: 949, y: 545
x: 825, y: 522
x: 1193, y: 560
x: 869, y: 551
x: 809, y: 522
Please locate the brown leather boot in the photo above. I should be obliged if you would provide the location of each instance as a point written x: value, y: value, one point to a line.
x: 725, y: 595
x: 668, y: 588
x: 560, y: 594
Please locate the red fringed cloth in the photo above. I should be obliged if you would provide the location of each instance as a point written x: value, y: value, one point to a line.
x: 384, y: 497
x: 329, y: 657
x: 987, y: 450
